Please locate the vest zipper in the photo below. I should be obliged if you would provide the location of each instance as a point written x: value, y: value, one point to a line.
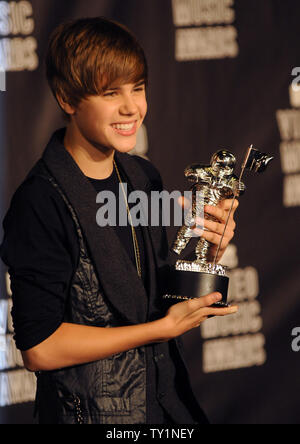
x: 78, y: 410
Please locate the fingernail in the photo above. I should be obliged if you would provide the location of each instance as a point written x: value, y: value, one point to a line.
x: 217, y: 297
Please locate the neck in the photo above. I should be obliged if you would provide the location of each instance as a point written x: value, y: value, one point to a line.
x: 94, y: 162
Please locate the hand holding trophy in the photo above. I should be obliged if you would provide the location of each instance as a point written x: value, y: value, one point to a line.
x: 212, y: 184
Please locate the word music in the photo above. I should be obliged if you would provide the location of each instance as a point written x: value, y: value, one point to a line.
x: 288, y: 121
x: 18, y: 51
x: 204, y: 29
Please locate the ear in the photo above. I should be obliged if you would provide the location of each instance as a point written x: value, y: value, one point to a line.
x: 66, y: 107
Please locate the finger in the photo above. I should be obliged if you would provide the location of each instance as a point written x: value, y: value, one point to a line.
x: 218, y: 228
x: 198, y: 227
x: 198, y: 231
x: 222, y: 311
x: 215, y: 238
x: 205, y: 313
x: 220, y: 211
x: 203, y: 301
x: 220, y: 214
x: 226, y: 204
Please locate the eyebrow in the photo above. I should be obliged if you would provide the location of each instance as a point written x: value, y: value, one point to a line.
x: 140, y: 83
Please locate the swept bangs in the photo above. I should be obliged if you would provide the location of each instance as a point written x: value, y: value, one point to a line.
x: 86, y: 56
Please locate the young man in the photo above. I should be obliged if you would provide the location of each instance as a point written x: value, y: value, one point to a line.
x: 86, y: 308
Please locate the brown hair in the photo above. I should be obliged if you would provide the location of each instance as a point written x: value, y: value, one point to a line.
x: 86, y: 56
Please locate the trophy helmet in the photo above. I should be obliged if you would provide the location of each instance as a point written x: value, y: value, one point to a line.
x: 224, y: 161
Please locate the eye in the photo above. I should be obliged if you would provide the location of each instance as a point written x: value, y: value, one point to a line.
x: 109, y: 94
x: 139, y: 88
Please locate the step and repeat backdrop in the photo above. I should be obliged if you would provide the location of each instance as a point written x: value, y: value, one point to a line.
x: 223, y: 74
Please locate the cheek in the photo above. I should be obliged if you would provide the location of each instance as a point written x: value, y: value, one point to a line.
x: 92, y: 127
x: 96, y: 111
x: 143, y: 108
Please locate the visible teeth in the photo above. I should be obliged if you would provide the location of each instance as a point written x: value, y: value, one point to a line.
x: 124, y: 126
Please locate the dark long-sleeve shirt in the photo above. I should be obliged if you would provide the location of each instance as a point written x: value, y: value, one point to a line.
x: 41, y: 249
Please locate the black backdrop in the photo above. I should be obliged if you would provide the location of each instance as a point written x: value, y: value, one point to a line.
x: 220, y: 77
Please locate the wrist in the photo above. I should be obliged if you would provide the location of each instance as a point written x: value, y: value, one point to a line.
x: 161, y: 329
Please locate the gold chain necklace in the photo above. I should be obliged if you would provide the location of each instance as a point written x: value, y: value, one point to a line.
x: 134, y: 237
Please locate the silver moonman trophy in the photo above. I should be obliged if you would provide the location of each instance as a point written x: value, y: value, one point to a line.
x: 214, y: 183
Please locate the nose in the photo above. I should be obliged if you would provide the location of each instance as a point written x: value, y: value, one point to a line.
x: 128, y: 105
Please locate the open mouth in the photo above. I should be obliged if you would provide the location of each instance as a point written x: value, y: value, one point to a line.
x: 125, y: 129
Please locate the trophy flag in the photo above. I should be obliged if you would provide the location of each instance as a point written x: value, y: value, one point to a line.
x: 254, y: 161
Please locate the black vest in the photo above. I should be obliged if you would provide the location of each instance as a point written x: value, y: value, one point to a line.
x: 106, y: 292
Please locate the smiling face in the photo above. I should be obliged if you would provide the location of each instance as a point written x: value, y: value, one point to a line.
x: 110, y: 120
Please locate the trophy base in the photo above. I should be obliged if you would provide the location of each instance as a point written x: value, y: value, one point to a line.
x: 191, y: 280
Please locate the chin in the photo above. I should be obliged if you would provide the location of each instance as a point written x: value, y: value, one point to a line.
x: 125, y: 149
